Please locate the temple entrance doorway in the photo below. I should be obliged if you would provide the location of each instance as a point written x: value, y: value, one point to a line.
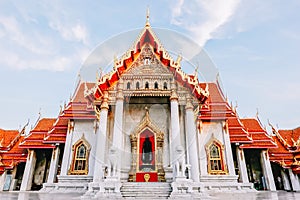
x: 147, y: 152
x: 146, y: 171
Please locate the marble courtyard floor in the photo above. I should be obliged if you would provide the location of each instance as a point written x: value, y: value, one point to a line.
x: 280, y: 195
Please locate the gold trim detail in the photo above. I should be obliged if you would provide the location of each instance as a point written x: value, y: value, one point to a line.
x: 87, y: 146
x: 147, y: 177
x: 220, y: 147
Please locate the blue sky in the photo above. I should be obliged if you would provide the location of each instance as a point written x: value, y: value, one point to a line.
x: 254, y: 44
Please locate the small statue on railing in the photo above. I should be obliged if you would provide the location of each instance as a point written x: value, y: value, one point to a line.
x: 113, y: 162
x: 180, y: 162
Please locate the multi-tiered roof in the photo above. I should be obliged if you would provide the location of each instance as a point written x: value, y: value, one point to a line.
x: 247, y: 133
x: 288, y: 152
x: 10, y: 153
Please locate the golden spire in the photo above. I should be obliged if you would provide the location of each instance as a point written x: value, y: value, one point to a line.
x: 257, y: 113
x: 147, y: 17
x: 196, y: 73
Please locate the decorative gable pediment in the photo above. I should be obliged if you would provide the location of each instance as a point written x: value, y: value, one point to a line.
x: 146, y: 123
x: 147, y: 64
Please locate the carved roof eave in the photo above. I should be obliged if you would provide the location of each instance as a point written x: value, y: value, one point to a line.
x: 278, y: 135
x: 89, y: 93
x: 243, y: 128
x: 122, y: 65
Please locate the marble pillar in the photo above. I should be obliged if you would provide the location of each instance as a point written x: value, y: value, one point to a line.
x: 68, y: 149
x: 13, y: 179
x: 53, y: 165
x: 267, y: 170
x: 294, y: 181
x: 192, y: 140
x: 101, y: 141
x: 228, y: 150
x: 175, y: 130
x: 118, y: 127
x: 2, y: 180
x: 242, y: 165
x: 202, y: 137
x: 285, y: 181
x: 28, y: 172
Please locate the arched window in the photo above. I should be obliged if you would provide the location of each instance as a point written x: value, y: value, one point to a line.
x: 79, y: 164
x: 147, y: 85
x: 128, y: 86
x: 155, y: 85
x: 165, y: 86
x: 137, y: 85
x: 215, y: 158
x: 80, y: 159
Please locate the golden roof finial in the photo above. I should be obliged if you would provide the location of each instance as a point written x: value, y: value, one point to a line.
x: 115, y: 62
x: 147, y: 17
x: 179, y: 59
x: 1, y: 145
x: 196, y: 70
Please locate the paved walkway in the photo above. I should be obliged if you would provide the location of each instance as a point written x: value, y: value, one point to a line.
x: 281, y: 195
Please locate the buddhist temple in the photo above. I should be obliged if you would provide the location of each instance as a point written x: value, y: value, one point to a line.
x: 147, y: 128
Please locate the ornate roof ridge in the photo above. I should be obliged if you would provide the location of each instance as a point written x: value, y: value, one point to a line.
x: 147, y: 36
x: 279, y: 136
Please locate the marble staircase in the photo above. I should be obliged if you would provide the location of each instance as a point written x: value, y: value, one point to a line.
x: 150, y: 190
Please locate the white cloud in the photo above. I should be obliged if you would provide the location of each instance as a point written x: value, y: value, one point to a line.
x: 29, y: 42
x: 203, y: 18
x: 76, y: 32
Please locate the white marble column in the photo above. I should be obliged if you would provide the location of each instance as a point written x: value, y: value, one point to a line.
x: 242, y: 165
x: 192, y: 140
x: 2, y: 180
x: 294, y: 181
x: 175, y: 129
x: 267, y: 170
x: 228, y: 150
x: 285, y: 181
x: 53, y: 165
x: 13, y: 179
x: 67, y: 150
x: 101, y: 141
x: 28, y: 172
x: 118, y: 126
x: 202, y: 139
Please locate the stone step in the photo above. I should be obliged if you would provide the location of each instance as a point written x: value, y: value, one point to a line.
x: 153, y: 190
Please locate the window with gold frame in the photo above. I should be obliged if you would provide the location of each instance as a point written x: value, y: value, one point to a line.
x: 215, y: 157
x: 79, y: 165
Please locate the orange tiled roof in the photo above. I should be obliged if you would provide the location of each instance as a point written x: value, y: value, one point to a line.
x: 287, y: 153
x: 43, y: 125
x: 292, y: 138
x: 7, y: 137
x: 147, y: 37
x: 216, y: 106
x: 36, y: 136
x: 237, y: 131
x: 261, y: 139
x: 79, y: 92
x: 10, y: 153
x: 58, y: 132
x: 280, y: 153
x: 79, y: 107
